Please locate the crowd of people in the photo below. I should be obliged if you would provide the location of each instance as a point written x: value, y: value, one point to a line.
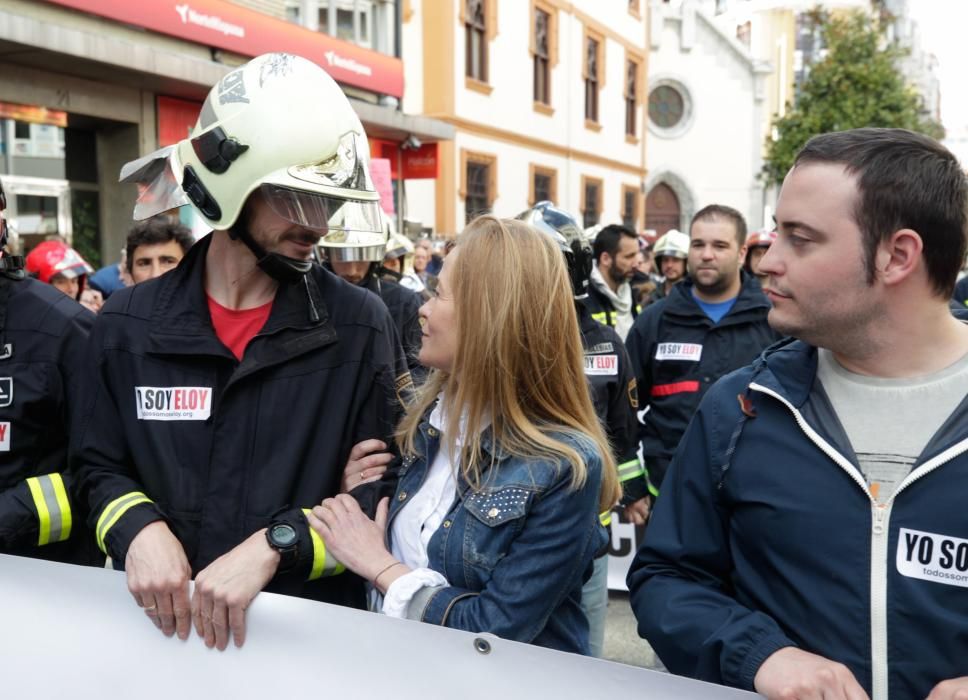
x: 306, y: 402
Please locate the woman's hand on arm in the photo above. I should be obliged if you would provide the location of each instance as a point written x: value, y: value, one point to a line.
x: 357, y: 541
x: 367, y: 462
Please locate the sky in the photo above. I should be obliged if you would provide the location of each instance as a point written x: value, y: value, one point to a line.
x: 942, y: 24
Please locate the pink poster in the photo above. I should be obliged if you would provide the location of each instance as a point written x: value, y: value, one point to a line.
x: 380, y: 172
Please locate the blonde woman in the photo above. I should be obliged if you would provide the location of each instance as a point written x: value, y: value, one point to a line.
x: 505, y: 467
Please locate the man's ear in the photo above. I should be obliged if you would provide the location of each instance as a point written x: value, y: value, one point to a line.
x: 897, y: 258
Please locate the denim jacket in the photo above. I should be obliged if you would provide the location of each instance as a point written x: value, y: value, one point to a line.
x: 516, y: 552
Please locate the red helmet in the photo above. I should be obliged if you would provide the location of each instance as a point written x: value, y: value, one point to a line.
x: 761, y: 238
x: 52, y: 258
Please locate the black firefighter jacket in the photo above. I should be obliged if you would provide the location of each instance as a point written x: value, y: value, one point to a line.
x: 614, y: 396
x: 404, y: 306
x: 42, y: 339
x: 175, y: 428
x: 678, y: 353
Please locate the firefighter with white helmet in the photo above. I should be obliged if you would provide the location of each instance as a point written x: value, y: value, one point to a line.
x: 398, y: 263
x: 362, y: 266
x: 191, y: 456
x: 670, y: 253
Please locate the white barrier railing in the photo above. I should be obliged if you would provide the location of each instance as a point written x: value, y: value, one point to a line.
x: 75, y: 632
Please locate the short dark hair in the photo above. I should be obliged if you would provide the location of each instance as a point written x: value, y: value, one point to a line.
x: 716, y: 212
x: 905, y: 180
x: 153, y: 231
x: 607, y: 240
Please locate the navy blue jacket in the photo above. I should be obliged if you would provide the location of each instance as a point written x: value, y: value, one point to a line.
x: 960, y: 295
x: 174, y: 428
x: 767, y: 536
x: 515, y: 552
x: 677, y: 353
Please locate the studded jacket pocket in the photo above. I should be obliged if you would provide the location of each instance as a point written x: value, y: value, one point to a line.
x: 495, y: 508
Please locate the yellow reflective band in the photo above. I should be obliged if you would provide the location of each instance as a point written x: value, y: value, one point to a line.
x: 53, y: 508
x: 113, y: 512
x: 653, y: 490
x: 630, y: 470
x: 43, y: 515
x: 323, y: 564
x: 60, y: 493
x: 319, y: 553
x: 605, y: 518
x: 601, y: 317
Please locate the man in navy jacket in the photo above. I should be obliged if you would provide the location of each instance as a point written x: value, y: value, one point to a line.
x: 810, y: 539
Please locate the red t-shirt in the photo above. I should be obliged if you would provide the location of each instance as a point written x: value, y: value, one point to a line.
x: 236, y: 327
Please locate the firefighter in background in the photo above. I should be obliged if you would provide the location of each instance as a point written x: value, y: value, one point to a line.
x: 42, y: 335
x: 398, y: 262
x: 612, y: 383
x: 757, y: 244
x: 57, y: 264
x: 670, y: 253
x: 362, y: 266
x: 222, y: 399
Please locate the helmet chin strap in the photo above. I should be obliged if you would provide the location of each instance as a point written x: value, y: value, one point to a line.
x: 281, y: 268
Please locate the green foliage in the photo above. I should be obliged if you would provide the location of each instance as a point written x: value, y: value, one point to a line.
x: 856, y: 84
x: 86, y: 239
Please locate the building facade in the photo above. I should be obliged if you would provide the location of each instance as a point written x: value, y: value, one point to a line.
x: 547, y: 100
x: 706, y: 119
x: 88, y: 85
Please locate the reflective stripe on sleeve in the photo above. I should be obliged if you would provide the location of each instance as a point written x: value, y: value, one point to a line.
x: 605, y: 518
x: 113, y: 512
x: 630, y: 470
x: 689, y: 387
x: 53, y: 508
x: 601, y: 317
x: 323, y: 565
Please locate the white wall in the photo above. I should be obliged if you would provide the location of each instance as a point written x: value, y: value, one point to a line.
x: 719, y: 155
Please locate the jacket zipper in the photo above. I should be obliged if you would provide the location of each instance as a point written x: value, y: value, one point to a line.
x: 878, y: 562
x: 880, y: 528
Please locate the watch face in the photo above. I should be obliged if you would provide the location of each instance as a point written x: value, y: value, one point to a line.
x: 282, y: 535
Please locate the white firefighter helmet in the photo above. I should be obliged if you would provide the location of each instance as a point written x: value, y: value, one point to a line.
x: 673, y: 244
x: 281, y: 125
x: 356, y: 248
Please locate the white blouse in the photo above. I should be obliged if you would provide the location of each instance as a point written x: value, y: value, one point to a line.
x: 417, y: 522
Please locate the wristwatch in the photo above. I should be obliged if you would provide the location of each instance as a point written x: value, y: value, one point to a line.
x: 284, y: 538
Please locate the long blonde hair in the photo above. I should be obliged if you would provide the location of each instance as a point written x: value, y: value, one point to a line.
x: 519, y: 364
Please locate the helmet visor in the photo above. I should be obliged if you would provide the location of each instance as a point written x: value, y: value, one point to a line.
x: 345, y: 221
x: 158, y: 188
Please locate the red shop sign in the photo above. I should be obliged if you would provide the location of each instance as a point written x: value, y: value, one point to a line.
x: 221, y: 24
x: 421, y: 163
